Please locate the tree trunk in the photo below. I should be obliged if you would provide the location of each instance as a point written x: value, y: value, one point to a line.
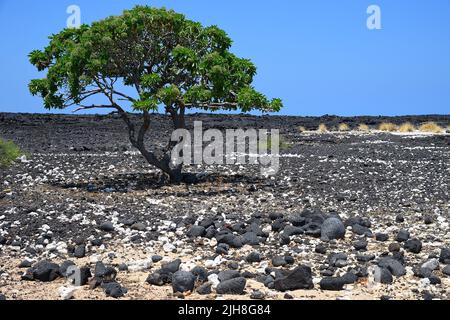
x: 175, y: 173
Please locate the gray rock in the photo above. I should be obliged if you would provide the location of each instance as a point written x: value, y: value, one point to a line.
x: 331, y: 229
x: 234, y: 286
x: 183, y: 281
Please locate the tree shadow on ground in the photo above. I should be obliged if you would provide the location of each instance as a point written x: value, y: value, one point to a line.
x: 123, y: 183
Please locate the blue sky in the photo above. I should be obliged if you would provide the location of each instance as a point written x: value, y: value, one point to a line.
x: 317, y: 55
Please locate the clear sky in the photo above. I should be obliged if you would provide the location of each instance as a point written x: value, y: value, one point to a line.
x: 317, y: 55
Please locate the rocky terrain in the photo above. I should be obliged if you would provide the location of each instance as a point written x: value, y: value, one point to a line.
x: 349, y: 216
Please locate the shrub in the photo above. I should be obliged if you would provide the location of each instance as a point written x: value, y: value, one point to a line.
x: 9, y: 152
x: 283, y: 144
x: 388, y: 126
x: 322, y: 128
x: 343, y: 127
x: 431, y: 127
x: 407, y: 127
x: 363, y: 127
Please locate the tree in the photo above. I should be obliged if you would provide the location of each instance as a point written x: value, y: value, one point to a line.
x: 165, y: 58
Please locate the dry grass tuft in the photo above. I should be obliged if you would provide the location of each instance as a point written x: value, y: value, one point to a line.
x: 431, y: 127
x: 301, y: 129
x: 343, y: 127
x: 387, y: 126
x: 322, y: 128
x: 363, y: 127
x: 407, y: 127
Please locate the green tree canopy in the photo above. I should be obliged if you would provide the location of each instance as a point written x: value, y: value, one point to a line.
x: 167, y: 59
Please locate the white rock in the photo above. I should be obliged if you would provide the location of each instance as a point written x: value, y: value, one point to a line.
x: 214, y: 279
x: 168, y: 247
x: 66, y: 293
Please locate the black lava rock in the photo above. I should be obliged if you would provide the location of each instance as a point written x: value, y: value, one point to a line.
x: 106, y: 226
x: 156, y: 258
x: 413, y: 245
x: 321, y: 249
x: 383, y: 275
x: 360, y: 245
x: 104, y: 273
x: 446, y: 270
x: 228, y: 275
x: 80, y: 251
x: 200, y: 274
x: 445, y: 256
x: 300, y: 278
x: 382, y: 237
x: 64, y: 267
x: 171, y: 267
x: 428, y: 219
x: 332, y: 284
x: 113, y: 289
x: 45, y: 271
x: 234, y: 286
x: 399, y: 218
x: 402, y: 236
x: 183, y: 281
x: 253, y: 257
x: 362, y: 230
x: 393, y: 265
x: 332, y: 229
x: 196, y: 231
x: 205, y: 289
x: 279, y: 261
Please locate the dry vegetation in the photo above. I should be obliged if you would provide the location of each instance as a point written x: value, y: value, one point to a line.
x: 388, y: 127
x: 431, y: 127
x: 343, y: 127
x: 407, y: 127
x: 363, y: 127
x: 322, y: 128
